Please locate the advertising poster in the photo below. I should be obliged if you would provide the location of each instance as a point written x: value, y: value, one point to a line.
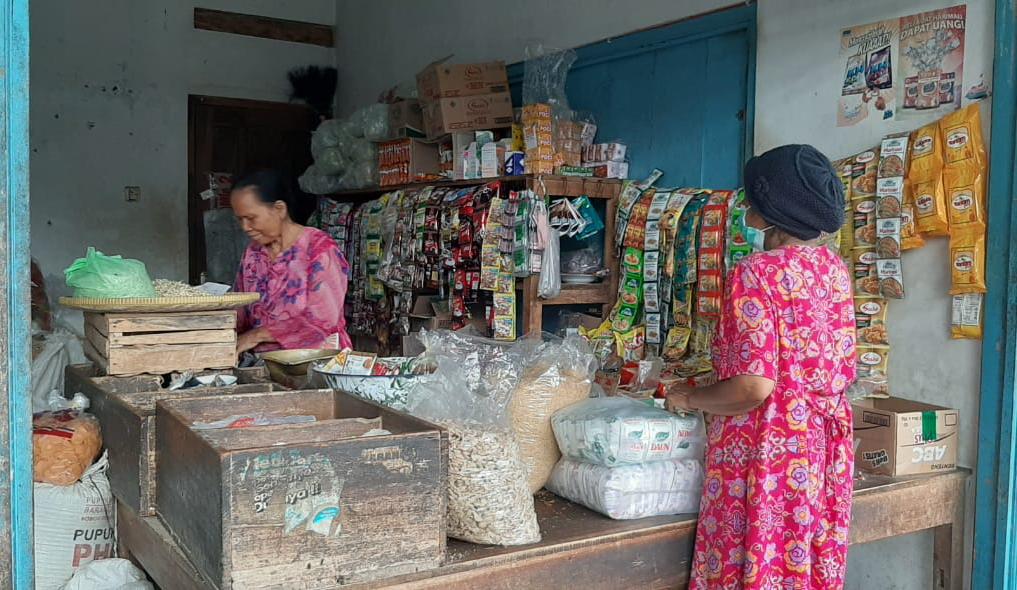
x: 901, y: 67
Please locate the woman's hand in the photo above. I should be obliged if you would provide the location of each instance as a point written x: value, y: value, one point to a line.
x: 250, y: 339
x: 677, y: 399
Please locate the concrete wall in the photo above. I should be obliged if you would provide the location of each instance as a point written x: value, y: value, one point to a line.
x: 109, y: 85
x: 798, y: 78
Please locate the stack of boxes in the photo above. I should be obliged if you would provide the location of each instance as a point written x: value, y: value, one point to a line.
x: 539, y: 138
x: 464, y: 97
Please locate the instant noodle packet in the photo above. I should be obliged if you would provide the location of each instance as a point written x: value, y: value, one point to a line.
x: 631, y: 343
x: 967, y: 259
x: 865, y: 277
x: 863, y: 174
x: 873, y: 365
x: 870, y: 321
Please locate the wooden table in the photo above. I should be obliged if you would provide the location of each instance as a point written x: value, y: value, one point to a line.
x: 582, y: 549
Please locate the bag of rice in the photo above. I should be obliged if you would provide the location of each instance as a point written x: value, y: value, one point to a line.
x: 631, y: 491
x: 614, y: 431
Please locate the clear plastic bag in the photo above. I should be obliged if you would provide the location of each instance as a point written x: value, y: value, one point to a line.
x: 331, y: 161
x: 488, y: 499
x: 544, y: 73
x: 556, y: 374
x: 327, y: 135
x: 101, y: 276
x: 583, y: 261
x: 375, y: 121
x: 312, y: 182
x: 613, y: 431
x: 631, y: 491
x: 549, y: 286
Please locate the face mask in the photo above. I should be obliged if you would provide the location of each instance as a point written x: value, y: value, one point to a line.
x: 755, y: 237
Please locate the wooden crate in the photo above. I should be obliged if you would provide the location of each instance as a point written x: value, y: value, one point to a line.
x: 125, y: 407
x: 157, y: 343
x: 251, y: 507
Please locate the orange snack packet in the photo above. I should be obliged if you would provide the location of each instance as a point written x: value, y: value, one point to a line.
x: 931, y: 215
x: 964, y: 186
x: 64, y: 445
x: 926, y: 154
x: 909, y: 236
x: 962, y: 136
x: 967, y: 260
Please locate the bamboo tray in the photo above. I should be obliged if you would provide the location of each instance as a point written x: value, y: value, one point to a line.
x: 160, y: 304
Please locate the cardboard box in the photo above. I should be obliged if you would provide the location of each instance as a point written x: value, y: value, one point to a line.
x: 405, y: 119
x: 407, y: 160
x: 438, y: 81
x: 471, y: 113
x: 903, y: 437
x: 430, y: 313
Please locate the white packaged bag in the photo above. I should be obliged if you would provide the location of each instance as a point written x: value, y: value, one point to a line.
x: 614, y: 431
x: 73, y: 526
x: 108, y: 574
x: 631, y: 491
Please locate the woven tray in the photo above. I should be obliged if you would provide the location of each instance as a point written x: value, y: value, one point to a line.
x: 160, y: 304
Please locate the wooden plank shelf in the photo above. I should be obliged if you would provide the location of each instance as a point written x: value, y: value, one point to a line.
x: 553, y: 185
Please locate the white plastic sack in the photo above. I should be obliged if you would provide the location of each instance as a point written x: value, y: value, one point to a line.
x: 614, y: 431
x: 631, y: 491
x: 109, y: 574
x: 60, y: 349
x: 314, y: 183
x: 73, y: 526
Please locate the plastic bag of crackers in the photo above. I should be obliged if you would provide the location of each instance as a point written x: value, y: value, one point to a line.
x: 65, y: 443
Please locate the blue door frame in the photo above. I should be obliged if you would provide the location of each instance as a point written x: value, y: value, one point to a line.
x: 15, y: 363
x: 996, y: 476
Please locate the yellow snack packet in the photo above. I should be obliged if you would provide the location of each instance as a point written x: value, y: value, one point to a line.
x: 909, y: 236
x: 964, y: 186
x: 967, y: 260
x: 962, y: 135
x: 966, y: 321
x: 931, y: 215
x: 926, y: 154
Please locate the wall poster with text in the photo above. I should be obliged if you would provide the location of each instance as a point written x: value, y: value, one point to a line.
x: 903, y: 67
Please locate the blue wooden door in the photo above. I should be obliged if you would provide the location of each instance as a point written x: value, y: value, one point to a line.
x: 679, y: 96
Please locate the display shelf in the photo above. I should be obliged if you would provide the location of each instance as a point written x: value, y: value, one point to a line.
x: 553, y: 185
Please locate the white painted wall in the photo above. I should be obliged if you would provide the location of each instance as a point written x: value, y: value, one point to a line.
x: 797, y: 81
x: 109, y: 86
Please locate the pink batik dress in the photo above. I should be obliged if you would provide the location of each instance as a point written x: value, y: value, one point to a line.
x: 302, y: 293
x: 777, y: 494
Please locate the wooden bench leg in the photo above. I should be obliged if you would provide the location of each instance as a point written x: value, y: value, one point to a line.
x: 948, y: 552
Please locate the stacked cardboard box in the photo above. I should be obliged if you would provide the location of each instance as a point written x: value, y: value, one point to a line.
x: 464, y: 97
x: 407, y: 160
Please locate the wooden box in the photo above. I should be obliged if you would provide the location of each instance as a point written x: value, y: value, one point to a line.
x: 125, y: 407
x: 302, y: 506
x: 159, y: 343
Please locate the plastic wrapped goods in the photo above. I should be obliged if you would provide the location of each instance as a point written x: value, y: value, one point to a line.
x: 614, y: 431
x: 488, y: 498
x: 64, y: 445
x: 556, y: 375
x: 98, y: 275
x: 631, y: 491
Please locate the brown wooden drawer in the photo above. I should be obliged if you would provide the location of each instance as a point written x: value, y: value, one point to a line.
x: 310, y: 505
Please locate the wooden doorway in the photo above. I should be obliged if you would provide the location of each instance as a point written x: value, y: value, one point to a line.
x: 233, y: 136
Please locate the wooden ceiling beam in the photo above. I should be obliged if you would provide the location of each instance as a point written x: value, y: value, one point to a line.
x: 264, y: 27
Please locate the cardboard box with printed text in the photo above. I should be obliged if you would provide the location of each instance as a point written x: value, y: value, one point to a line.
x: 903, y: 437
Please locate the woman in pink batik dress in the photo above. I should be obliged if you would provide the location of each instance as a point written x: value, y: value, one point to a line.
x: 777, y: 494
x: 299, y: 272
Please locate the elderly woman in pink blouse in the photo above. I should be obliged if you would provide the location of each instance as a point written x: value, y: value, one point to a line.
x: 299, y: 272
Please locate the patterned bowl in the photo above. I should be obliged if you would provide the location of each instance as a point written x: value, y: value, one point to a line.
x: 387, y: 390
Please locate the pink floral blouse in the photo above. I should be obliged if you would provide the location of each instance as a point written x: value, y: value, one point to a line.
x: 777, y: 495
x: 302, y: 293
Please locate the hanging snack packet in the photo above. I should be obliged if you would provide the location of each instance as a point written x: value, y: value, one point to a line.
x: 966, y: 322
x: 962, y: 134
x: 863, y: 174
x: 964, y: 186
x: 967, y: 257
x: 870, y: 321
x: 866, y: 280
x: 926, y: 154
x: 863, y: 216
x: 909, y: 236
x: 631, y: 344
x: 931, y: 215
x: 873, y: 365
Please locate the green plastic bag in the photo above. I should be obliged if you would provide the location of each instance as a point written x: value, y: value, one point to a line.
x: 100, y: 276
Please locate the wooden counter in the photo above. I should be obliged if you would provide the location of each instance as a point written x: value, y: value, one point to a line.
x: 582, y: 549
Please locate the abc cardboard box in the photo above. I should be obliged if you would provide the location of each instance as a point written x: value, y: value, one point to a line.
x: 902, y: 437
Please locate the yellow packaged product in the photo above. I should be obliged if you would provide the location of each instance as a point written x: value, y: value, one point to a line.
x: 909, y: 236
x: 863, y: 176
x: 966, y: 322
x: 865, y: 276
x: 926, y: 154
x: 931, y: 215
x: 870, y: 321
x: 962, y: 136
x: 964, y: 186
x: 631, y: 344
x: 967, y: 263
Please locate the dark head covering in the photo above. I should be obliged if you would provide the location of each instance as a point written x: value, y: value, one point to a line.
x: 795, y: 188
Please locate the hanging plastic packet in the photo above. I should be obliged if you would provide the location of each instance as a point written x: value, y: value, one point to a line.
x: 909, y: 235
x: 870, y: 321
x: 593, y: 223
x: 967, y: 256
x: 966, y: 321
x: 964, y: 185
